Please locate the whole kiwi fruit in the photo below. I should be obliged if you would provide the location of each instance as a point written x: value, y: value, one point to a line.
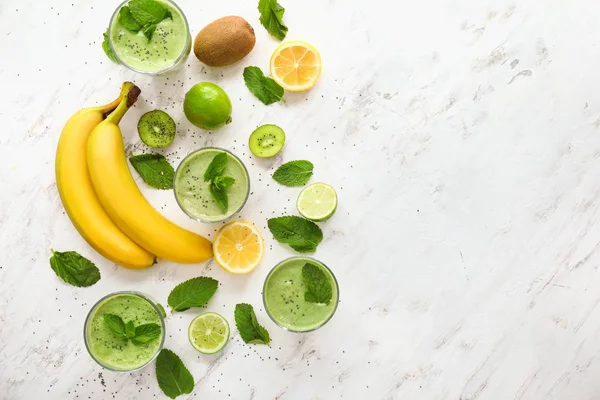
x: 224, y: 41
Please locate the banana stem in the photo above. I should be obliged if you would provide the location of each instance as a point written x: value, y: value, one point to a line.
x: 129, y: 94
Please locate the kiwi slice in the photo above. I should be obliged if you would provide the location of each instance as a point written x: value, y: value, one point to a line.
x: 266, y: 140
x: 156, y: 129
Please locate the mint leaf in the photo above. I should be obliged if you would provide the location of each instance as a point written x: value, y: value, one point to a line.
x: 147, y: 11
x: 192, y: 293
x: 294, y: 173
x: 128, y: 21
x: 250, y: 330
x: 219, y: 195
x: 154, y: 169
x: 173, y: 377
x: 265, y: 89
x: 318, y: 287
x: 129, y: 330
x: 162, y: 310
x: 74, y: 269
x: 145, y: 333
x: 271, y: 17
x: 107, y: 49
x: 115, y: 324
x: 148, y: 31
x: 301, y: 234
x: 224, y: 182
x: 216, y: 167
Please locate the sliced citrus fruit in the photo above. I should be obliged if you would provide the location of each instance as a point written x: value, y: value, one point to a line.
x: 238, y: 247
x: 317, y: 202
x: 208, y: 332
x: 296, y: 66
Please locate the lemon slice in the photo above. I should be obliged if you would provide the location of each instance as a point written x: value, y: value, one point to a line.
x: 317, y: 202
x: 238, y: 247
x: 296, y: 66
x: 208, y: 332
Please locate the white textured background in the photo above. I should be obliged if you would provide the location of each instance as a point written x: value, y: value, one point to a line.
x: 463, y: 137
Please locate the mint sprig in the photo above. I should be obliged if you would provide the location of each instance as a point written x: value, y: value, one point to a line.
x: 107, y: 49
x: 218, y: 183
x: 194, y: 292
x: 128, y: 21
x: 271, y: 17
x: 216, y: 167
x: 300, y: 234
x: 174, y: 379
x: 264, y: 88
x: 74, y: 269
x: 154, y: 169
x: 294, y: 173
x: 250, y: 330
x: 318, y: 287
x: 138, y: 334
x: 143, y: 15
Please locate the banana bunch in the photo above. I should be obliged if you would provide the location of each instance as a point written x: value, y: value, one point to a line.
x: 103, y: 200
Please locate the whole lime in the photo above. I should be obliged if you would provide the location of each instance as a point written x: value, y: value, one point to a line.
x: 207, y: 106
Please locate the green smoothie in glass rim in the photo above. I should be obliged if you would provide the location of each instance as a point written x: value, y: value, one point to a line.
x: 149, y: 36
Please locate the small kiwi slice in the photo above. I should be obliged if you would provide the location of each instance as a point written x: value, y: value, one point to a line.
x: 266, y: 140
x: 156, y: 129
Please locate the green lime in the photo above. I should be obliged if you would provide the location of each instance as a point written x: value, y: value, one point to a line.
x: 207, y: 106
x: 317, y: 202
x: 208, y: 332
x: 266, y: 140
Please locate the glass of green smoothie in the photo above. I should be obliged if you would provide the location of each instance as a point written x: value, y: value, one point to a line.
x: 146, y: 47
x: 117, y: 352
x: 193, y: 193
x: 284, y: 296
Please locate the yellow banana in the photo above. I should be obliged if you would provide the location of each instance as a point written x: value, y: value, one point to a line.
x: 80, y: 200
x: 125, y: 204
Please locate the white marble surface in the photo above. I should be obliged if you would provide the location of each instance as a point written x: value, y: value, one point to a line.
x: 463, y: 137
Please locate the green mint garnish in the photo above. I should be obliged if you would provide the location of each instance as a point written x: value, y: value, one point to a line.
x: 265, y: 89
x: 107, y: 50
x: 138, y: 334
x: 145, y: 333
x: 218, y: 184
x: 194, y: 292
x: 294, y: 173
x: 300, y: 234
x: 147, y: 12
x: 74, y: 269
x: 143, y: 15
x: 224, y: 181
x: 128, y: 21
x: 115, y: 324
x: 250, y: 330
x: 216, y: 167
x: 271, y: 17
x: 318, y: 287
x: 129, y: 329
x: 149, y: 31
x: 173, y: 377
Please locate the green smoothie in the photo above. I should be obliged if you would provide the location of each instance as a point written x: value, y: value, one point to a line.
x: 170, y: 39
x: 283, y: 296
x: 193, y: 193
x: 115, y: 352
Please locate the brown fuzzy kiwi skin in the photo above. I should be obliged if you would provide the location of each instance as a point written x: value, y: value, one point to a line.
x: 224, y: 41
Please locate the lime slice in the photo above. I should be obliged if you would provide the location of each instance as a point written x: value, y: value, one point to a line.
x: 317, y: 202
x: 209, y: 333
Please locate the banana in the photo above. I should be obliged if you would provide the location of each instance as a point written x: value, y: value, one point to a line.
x: 80, y: 200
x: 125, y: 204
